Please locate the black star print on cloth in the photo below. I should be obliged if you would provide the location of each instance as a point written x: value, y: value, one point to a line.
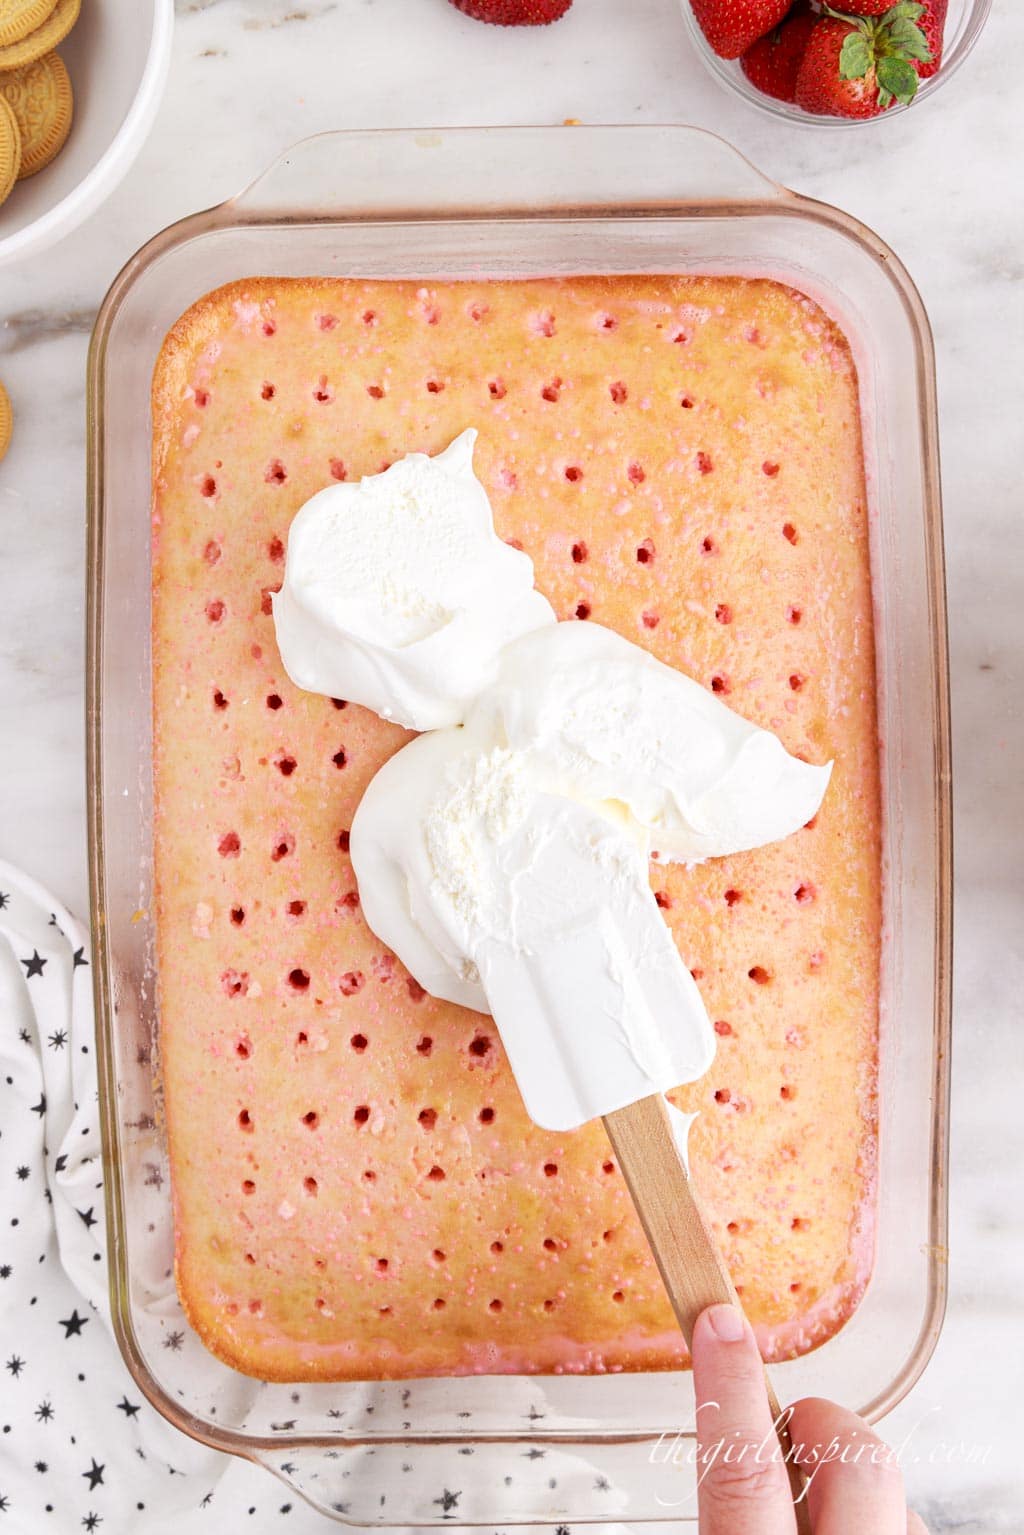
x: 78, y: 959
x: 44, y: 1412
x: 58, y: 1039
x: 91, y: 1521
x: 130, y: 1409
x: 87, y: 1217
x: 35, y: 965
x: 15, y: 1365
x: 73, y: 1324
x: 4, y: 899
x: 94, y: 1475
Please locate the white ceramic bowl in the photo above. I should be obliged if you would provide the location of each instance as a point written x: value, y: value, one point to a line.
x: 117, y: 56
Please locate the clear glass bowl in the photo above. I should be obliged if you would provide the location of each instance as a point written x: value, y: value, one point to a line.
x: 503, y: 1450
x: 964, y: 22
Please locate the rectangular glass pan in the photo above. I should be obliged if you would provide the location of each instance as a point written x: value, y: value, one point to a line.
x: 520, y: 202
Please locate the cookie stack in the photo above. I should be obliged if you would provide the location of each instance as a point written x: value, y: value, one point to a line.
x: 36, y: 101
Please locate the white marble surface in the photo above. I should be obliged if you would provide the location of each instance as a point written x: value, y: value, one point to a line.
x: 249, y: 77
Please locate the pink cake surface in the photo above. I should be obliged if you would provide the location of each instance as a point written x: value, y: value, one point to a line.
x: 358, y: 1191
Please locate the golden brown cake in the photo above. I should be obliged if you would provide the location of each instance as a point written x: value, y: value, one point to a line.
x: 358, y: 1191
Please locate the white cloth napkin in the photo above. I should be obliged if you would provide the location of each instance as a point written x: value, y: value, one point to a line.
x: 80, y: 1448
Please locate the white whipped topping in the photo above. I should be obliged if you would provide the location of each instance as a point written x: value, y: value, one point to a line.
x: 537, y: 909
x: 504, y: 860
x: 398, y: 594
x: 615, y: 727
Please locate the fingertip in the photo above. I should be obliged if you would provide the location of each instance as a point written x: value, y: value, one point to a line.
x: 724, y: 1323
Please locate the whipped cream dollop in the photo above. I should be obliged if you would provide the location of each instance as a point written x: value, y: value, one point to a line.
x: 503, y: 856
x: 398, y: 594
x: 534, y: 907
x: 615, y: 727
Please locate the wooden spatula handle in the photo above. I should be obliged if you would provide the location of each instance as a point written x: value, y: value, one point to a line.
x: 684, y: 1249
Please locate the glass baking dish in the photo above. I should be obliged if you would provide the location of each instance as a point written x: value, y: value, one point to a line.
x: 514, y: 202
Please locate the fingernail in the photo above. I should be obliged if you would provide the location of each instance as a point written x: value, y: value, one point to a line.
x: 726, y: 1323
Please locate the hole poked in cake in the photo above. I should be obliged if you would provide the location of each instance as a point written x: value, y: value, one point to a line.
x: 618, y: 392
x: 207, y: 486
x: 361, y: 1114
x: 284, y: 846
x: 720, y: 683
x: 298, y: 980
x: 424, y: 1045
x: 770, y: 468
x: 245, y: 1120
x: 337, y: 468
x: 645, y: 552
x: 220, y: 701
x: 415, y: 990
x: 663, y: 899
x: 375, y: 391
x: 437, y: 1174
x: 496, y: 389
x: 243, y: 1047
x: 551, y: 1169
x: 543, y: 323
x: 267, y: 594
x: 686, y: 402
x: 805, y: 893
x: 494, y: 1305
x: 486, y: 1115
x: 708, y: 545
x: 311, y: 1119
x: 323, y: 394
x: 237, y: 916
x: 480, y: 1046
x: 722, y: 1028
x: 234, y: 983
x: 582, y: 610
x: 215, y: 611
x: 427, y: 1118
x: 732, y: 897
x: 285, y: 763
x: 580, y: 553
x: 790, y: 533
x: 650, y: 619
x: 211, y: 552
x: 351, y: 982
x: 796, y: 681
x: 635, y: 474
x: 295, y: 909
x: 759, y: 975
x: 267, y: 390
x: 340, y: 758
x: 248, y: 1186
x: 794, y: 615
x: 573, y: 473
x: 435, y: 385
x: 551, y: 391
x: 275, y: 473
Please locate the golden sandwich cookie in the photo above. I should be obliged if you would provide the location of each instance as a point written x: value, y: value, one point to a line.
x: 10, y: 149
x: 39, y: 94
x: 20, y: 17
x: 6, y: 421
x: 51, y: 31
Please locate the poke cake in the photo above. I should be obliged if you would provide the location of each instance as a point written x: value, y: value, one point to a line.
x: 358, y: 1190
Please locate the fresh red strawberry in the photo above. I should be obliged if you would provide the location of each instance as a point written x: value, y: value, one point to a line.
x: 773, y: 62
x: 731, y: 26
x: 514, y: 13
x: 857, y: 66
x: 932, y: 24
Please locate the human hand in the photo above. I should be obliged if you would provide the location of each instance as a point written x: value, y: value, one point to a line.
x: 854, y: 1483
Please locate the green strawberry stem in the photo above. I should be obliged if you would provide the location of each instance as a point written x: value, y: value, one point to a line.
x: 889, y: 44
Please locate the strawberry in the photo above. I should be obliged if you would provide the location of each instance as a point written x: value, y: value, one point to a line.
x: 857, y: 66
x: 731, y: 26
x: 514, y: 13
x: 773, y: 62
x: 932, y: 24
